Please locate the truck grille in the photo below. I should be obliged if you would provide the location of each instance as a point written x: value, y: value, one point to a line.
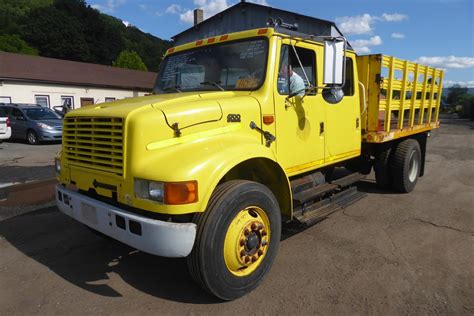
x: 94, y: 142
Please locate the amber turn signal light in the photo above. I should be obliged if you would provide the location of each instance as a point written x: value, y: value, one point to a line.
x: 181, y: 192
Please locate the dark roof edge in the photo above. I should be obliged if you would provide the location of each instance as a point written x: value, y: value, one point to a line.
x: 68, y: 83
x: 251, y: 4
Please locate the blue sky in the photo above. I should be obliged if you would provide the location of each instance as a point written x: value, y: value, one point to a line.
x: 439, y: 33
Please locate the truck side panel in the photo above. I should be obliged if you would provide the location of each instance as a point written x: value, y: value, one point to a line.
x: 403, y: 98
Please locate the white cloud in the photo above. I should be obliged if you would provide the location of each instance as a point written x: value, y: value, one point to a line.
x: 364, y: 24
x: 362, y: 46
x: 109, y: 6
x: 394, y: 17
x: 450, y: 83
x: 446, y: 62
x: 126, y: 23
x: 174, y: 9
x: 210, y: 8
x: 359, y: 24
x: 398, y: 35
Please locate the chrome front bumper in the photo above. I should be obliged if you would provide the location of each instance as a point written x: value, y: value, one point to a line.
x: 156, y: 237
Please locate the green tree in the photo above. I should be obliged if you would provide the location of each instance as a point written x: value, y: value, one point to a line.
x: 130, y: 59
x: 56, y: 34
x: 14, y: 44
x: 455, y: 94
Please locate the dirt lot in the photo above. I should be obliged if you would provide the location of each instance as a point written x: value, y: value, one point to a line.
x: 388, y: 253
x: 20, y: 162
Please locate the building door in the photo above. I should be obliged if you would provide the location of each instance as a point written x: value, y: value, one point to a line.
x: 299, y: 120
x: 86, y: 101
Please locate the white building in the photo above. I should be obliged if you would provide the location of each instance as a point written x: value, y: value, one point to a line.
x: 52, y: 82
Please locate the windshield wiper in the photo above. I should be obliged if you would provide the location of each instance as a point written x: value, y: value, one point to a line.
x: 174, y: 88
x: 214, y: 83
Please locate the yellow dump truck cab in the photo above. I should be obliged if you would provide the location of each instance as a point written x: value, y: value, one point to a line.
x: 241, y: 134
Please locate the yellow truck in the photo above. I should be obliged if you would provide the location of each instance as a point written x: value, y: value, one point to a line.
x: 245, y: 132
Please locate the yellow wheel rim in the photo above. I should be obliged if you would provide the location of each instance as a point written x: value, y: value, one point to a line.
x: 247, y: 241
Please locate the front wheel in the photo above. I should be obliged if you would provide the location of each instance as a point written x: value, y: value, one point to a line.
x: 32, y: 137
x: 237, y: 239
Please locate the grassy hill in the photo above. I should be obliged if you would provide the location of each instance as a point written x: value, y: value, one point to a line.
x: 72, y: 30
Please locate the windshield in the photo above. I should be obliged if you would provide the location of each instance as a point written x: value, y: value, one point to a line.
x: 237, y: 65
x: 41, y: 114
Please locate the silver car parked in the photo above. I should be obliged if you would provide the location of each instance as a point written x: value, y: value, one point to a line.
x: 33, y: 123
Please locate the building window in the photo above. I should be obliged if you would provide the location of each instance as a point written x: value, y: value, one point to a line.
x: 5, y: 100
x: 109, y: 99
x: 67, y: 101
x: 42, y: 100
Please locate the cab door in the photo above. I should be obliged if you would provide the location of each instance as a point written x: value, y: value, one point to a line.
x: 299, y: 120
x: 343, y: 128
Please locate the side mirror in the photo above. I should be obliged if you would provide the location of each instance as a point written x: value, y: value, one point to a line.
x: 334, y: 61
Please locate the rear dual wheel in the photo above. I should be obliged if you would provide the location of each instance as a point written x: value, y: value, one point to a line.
x: 237, y: 239
x: 406, y: 165
x: 398, y: 167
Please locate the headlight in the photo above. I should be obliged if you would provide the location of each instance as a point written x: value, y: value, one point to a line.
x: 44, y: 126
x: 150, y: 190
x: 57, y: 165
x: 172, y: 193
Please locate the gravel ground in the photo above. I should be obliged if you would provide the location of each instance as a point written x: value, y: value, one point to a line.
x: 386, y: 254
x: 20, y: 162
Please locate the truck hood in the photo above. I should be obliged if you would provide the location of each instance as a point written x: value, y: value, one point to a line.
x: 181, y: 110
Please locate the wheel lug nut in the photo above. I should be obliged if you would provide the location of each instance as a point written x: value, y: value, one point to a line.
x: 260, y: 226
x: 246, y: 232
x: 242, y: 242
x: 254, y: 259
x: 260, y: 252
x: 264, y: 243
x: 247, y: 259
x: 242, y: 253
x: 264, y: 232
x: 254, y: 226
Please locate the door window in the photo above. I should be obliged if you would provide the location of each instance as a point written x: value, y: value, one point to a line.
x: 349, y: 85
x: 15, y: 113
x: 300, y: 76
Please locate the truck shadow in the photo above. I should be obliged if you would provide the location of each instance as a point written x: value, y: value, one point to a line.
x: 86, y: 260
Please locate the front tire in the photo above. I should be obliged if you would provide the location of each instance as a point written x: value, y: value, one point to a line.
x: 237, y: 239
x: 406, y: 165
x: 32, y: 137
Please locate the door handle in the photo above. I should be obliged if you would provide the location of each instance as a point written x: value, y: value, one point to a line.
x: 321, y: 128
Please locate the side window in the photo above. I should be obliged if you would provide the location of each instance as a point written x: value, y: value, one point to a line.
x: 16, y: 113
x: 290, y: 70
x: 349, y: 85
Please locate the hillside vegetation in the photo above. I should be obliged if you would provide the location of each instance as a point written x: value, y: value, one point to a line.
x: 72, y: 30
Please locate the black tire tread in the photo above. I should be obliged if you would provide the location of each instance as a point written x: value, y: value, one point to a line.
x: 382, y: 170
x: 200, y: 220
x: 398, y: 164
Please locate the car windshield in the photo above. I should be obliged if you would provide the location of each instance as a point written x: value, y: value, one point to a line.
x: 41, y: 114
x: 237, y: 65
